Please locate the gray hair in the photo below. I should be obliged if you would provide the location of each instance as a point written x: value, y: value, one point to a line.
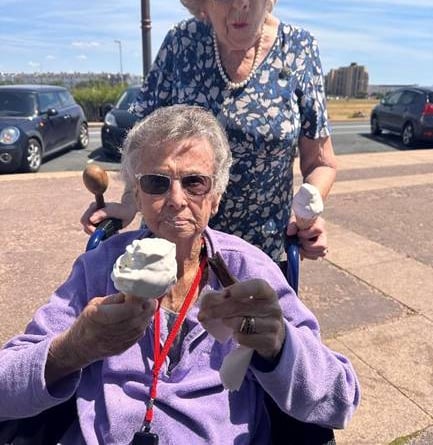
x: 196, y: 9
x: 176, y: 123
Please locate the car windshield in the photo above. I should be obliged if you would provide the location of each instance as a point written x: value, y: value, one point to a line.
x: 17, y: 103
x: 127, y: 97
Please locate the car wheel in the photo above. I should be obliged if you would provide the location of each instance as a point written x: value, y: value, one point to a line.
x: 32, y: 158
x: 408, y: 135
x: 83, y: 137
x: 374, y: 125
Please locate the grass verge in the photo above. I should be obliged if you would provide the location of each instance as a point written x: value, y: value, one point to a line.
x: 346, y: 109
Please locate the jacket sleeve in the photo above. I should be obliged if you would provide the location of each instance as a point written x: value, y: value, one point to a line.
x: 310, y: 382
x: 22, y: 360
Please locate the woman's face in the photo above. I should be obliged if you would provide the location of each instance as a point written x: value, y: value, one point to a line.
x: 177, y: 214
x: 237, y: 23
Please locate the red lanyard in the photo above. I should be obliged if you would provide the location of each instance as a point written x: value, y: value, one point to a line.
x: 160, y: 356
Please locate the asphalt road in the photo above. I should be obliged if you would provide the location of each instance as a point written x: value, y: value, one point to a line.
x: 348, y: 137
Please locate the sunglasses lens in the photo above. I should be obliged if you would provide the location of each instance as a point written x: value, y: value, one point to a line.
x: 197, y: 184
x: 154, y: 184
x: 159, y: 184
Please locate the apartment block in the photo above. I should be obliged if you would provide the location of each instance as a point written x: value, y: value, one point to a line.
x: 348, y: 81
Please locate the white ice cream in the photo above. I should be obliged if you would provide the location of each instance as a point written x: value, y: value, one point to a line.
x: 147, y: 269
x: 307, y: 203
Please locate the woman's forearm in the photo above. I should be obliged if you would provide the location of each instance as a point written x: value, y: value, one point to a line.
x: 318, y: 163
x: 322, y: 177
x: 63, y: 358
x: 128, y: 198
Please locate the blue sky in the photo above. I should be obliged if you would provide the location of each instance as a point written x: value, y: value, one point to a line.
x: 392, y: 38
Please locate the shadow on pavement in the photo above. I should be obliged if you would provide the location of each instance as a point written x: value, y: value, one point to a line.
x: 394, y: 141
x: 100, y: 156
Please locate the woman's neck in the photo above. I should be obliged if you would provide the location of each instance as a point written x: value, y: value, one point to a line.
x: 188, y: 256
x: 187, y: 268
x: 233, y: 59
x: 238, y: 64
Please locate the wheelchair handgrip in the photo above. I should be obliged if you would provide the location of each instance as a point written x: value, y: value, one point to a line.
x: 104, y: 230
x: 292, y: 251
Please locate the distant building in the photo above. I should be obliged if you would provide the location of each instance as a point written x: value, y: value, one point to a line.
x: 69, y: 80
x: 348, y: 81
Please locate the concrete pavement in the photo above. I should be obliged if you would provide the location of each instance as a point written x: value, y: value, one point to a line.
x: 373, y: 294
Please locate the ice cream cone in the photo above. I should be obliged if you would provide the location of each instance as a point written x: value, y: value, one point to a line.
x: 304, y: 223
x: 307, y: 206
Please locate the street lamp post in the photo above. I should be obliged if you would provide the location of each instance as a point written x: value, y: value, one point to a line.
x: 119, y: 42
x: 146, y: 26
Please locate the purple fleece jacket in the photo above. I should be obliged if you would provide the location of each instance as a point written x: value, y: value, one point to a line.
x: 310, y: 382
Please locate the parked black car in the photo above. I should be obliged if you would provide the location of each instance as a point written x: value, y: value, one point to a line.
x: 117, y: 122
x: 407, y: 111
x: 36, y: 120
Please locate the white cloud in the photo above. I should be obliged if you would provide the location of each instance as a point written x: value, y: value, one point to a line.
x: 81, y: 44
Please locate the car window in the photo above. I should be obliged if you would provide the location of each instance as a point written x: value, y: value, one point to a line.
x: 430, y: 97
x: 66, y: 98
x: 393, y: 98
x: 17, y: 103
x: 127, y: 97
x: 408, y: 97
x: 49, y: 100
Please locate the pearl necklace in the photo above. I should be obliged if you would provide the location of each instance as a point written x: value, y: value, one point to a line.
x: 235, y: 85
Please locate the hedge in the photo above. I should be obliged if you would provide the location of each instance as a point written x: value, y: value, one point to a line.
x: 93, y: 97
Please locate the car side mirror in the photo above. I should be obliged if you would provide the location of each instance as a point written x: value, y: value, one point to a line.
x: 105, y: 108
x: 52, y: 112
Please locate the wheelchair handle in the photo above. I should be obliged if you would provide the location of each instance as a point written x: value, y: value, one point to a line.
x: 104, y: 230
x: 293, y: 263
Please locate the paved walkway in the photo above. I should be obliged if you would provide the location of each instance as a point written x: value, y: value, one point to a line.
x: 373, y: 294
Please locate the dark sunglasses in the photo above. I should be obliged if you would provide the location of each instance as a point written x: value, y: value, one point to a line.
x: 155, y: 184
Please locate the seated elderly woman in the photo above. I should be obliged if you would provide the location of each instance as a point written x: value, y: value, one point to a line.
x: 106, y: 349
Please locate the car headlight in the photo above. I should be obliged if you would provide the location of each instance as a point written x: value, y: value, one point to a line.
x: 9, y: 135
x: 110, y: 119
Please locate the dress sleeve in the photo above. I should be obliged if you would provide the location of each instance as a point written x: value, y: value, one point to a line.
x: 156, y: 90
x: 311, y: 95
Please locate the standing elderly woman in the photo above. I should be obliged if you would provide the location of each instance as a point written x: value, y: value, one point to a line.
x: 263, y: 80
x: 102, y: 351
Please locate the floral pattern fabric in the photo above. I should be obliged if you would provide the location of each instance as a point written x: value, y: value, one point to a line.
x: 282, y: 101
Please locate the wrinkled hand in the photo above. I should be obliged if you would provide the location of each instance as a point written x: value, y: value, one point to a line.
x: 110, y: 325
x: 253, y: 298
x: 92, y: 217
x: 314, y: 241
x: 107, y: 326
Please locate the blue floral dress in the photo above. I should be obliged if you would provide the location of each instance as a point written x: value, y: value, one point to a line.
x: 282, y: 101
